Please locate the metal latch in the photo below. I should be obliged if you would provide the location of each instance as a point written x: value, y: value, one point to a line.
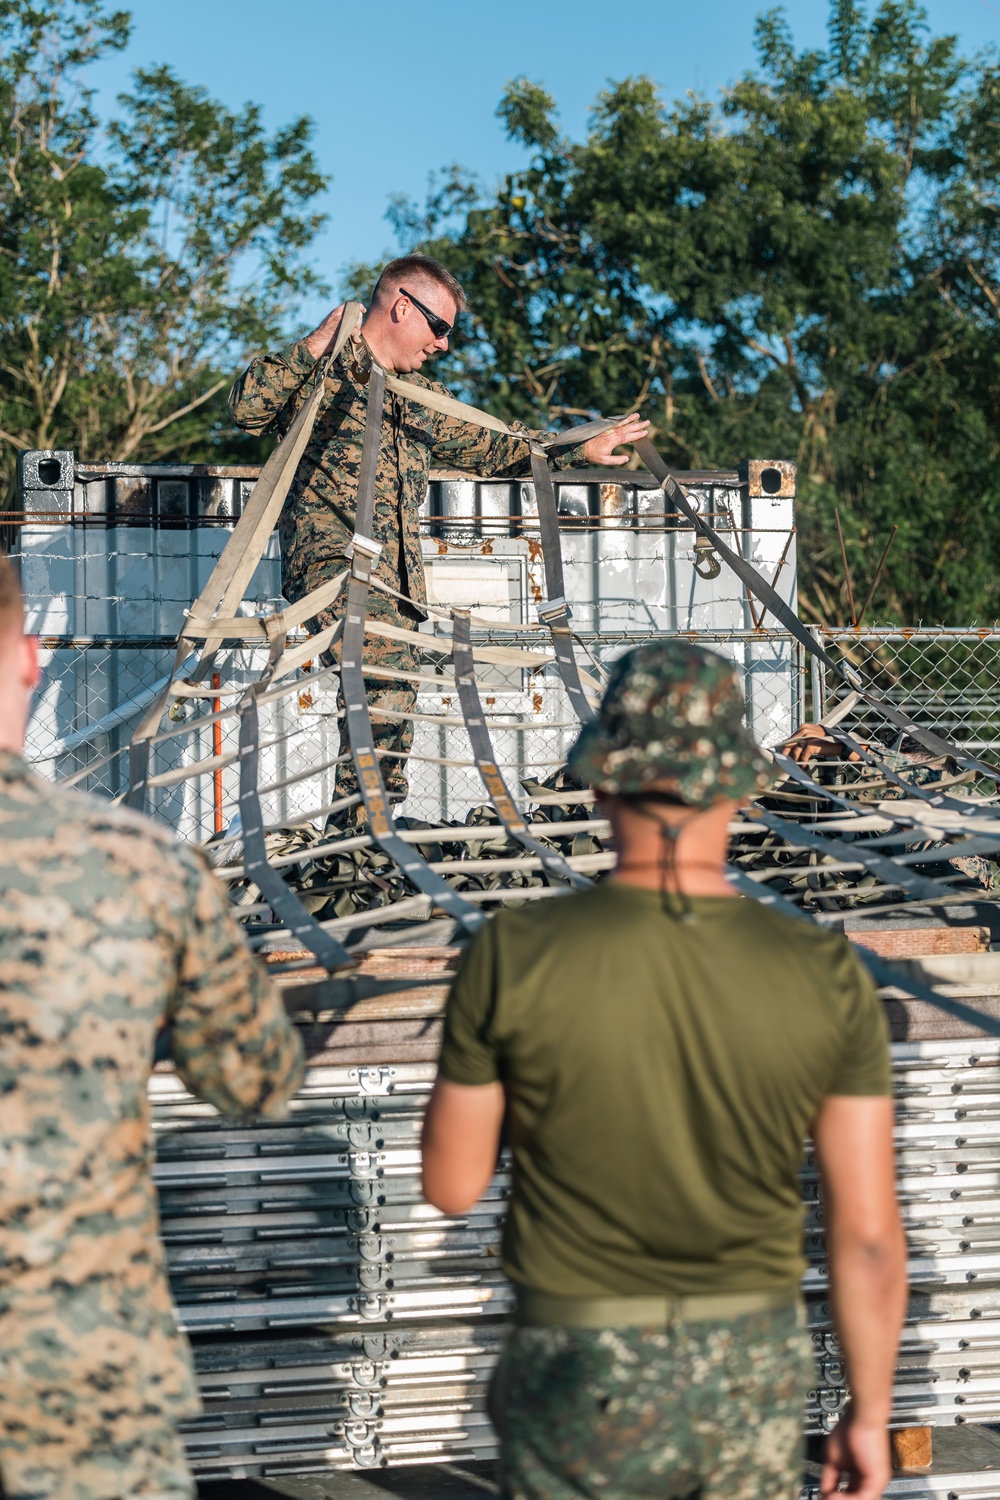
x: 553, y: 609
x: 366, y: 545
x: 706, y: 563
x: 373, y: 1080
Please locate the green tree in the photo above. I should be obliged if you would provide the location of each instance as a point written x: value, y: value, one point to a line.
x: 808, y: 269
x: 140, y: 262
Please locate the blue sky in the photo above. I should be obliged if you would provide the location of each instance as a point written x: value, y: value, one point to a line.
x: 398, y: 90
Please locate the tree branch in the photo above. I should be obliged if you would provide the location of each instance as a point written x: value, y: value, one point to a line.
x: 706, y: 379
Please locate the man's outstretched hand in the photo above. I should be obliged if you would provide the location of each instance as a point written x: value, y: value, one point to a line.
x: 811, y: 742
x: 319, y: 341
x: 599, y: 451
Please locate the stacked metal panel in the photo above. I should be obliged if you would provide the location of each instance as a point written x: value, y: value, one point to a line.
x: 948, y: 1141
x: 980, y: 1484
x: 338, y: 1321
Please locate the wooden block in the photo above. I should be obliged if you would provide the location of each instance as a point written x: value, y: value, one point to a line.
x: 380, y: 963
x: 917, y: 1021
x: 912, y: 1447
x: 918, y: 942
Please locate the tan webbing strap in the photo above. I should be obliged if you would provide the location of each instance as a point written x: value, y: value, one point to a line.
x: 451, y: 407
x: 245, y: 628
x: 448, y: 405
x: 478, y: 731
x: 229, y: 578
x: 231, y: 574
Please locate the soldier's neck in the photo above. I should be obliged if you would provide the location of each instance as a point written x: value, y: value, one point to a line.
x: 373, y: 337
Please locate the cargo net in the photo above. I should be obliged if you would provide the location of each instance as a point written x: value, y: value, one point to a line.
x: 878, y: 808
x: 869, y: 822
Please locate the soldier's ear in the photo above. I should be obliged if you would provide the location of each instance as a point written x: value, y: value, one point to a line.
x: 31, y: 671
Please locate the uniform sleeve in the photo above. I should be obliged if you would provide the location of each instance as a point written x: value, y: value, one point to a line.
x: 468, y: 1053
x: 864, y: 1066
x: 494, y: 455
x: 230, y: 1038
x: 271, y: 389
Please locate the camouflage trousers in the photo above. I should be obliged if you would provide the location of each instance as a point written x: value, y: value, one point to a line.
x: 393, y: 737
x: 92, y: 1382
x: 707, y: 1410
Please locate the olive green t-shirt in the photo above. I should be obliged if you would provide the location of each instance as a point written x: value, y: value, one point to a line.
x: 661, y: 1077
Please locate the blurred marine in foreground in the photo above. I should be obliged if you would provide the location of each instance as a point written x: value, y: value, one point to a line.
x: 109, y: 931
x: 661, y: 1048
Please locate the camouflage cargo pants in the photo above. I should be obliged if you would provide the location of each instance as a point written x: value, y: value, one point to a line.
x: 92, y: 1383
x: 703, y: 1410
x: 394, y: 737
x: 75, y: 1461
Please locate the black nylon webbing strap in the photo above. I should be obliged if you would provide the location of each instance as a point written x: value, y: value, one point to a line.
x: 791, y: 769
x: 887, y: 869
x: 759, y: 586
x: 282, y: 900
x: 359, y: 725
x: 257, y: 867
x: 912, y: 789
x: 884, y: 974
x: 986, y: 844
x: 794, y: 772
x: 482, y: 749
x: 555, y: 612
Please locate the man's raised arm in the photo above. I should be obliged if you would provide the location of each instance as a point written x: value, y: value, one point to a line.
x: 494, y: 455
x: 270, y: 391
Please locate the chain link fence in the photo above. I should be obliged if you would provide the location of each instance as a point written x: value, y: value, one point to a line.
x: 94, y: 692
x: 945, y: 679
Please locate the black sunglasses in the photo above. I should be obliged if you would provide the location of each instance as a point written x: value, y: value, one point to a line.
x: 438, y: 326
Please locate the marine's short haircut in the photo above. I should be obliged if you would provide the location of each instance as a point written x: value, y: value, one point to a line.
x: 11, y: 599
x: 415, y: 268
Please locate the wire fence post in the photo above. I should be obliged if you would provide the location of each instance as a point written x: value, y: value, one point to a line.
x: 817, y: 684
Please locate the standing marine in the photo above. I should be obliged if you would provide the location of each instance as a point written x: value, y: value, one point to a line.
x: 110, y: 932
x: 413, y: 311
x: 661, y: 1047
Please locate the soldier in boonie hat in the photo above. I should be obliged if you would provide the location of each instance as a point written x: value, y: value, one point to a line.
x: 662, y: 1047
x: 671, y: 721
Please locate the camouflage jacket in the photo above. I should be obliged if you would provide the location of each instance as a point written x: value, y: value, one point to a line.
x: 108, y: 930
x: 318, y: 519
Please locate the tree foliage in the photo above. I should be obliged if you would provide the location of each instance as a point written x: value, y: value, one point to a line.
x: 139, y: 262
x: 808, y: 269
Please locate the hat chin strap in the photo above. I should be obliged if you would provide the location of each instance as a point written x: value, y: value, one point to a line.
x: 669, y: 834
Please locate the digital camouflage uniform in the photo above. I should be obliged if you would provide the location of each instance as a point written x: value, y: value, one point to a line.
x: 706, y: 1409
x: 109, y: 930
x: 318, y: 520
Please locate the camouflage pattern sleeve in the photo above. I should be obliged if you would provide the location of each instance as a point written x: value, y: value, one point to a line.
x: 271, y: 389
x: 230, y: 1038
x: 462, y: 445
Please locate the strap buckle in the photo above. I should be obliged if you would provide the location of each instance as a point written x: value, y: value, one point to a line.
x: 363, y: 554
x: 363, y: 544
x: 553, y: 609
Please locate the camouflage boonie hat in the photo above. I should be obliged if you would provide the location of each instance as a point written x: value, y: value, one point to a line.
x: 672, y: 716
